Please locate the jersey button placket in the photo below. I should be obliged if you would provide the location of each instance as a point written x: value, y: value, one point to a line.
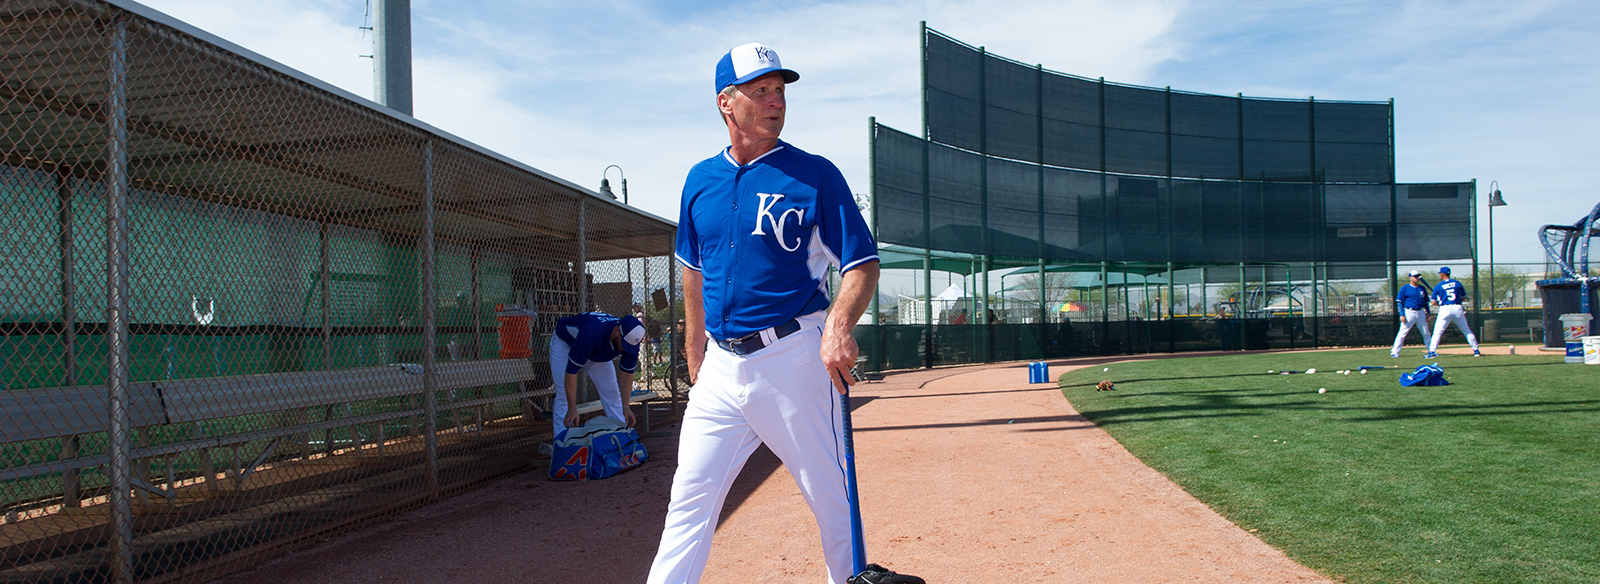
x: 733, y: 234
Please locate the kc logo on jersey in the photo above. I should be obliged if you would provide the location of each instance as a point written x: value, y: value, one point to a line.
x: 764, y: 214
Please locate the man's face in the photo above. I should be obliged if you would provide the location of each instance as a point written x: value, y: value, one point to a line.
x: 757, y: 108
x: 1415, y: 281
x: 616, y: 339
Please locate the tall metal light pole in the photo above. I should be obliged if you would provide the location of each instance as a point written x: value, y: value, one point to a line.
x: 1495, y: 200
x: 391, y: 53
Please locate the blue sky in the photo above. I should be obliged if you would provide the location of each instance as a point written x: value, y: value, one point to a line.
x: 1504, y: 91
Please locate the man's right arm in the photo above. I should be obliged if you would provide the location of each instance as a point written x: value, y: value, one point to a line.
x: 694, y: 321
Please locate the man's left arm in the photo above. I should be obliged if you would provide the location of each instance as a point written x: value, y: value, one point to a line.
x: 839, y: 348
x: 845, y: 232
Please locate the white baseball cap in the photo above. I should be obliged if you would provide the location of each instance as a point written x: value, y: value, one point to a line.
x: 632, y: 332
x: 746, y: 62
x: 1415, y: 274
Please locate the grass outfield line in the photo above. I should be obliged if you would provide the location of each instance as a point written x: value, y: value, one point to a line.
x: 1495, y: 478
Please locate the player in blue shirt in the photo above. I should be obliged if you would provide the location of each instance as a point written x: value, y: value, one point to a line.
x: 759, y: 225
x: 1412, y: 306
x: 1448, y: 295
x: 590, y: 342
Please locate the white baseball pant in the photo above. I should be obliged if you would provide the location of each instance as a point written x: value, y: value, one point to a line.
x: 603, y: 373
x: 1451, y: 314
x: 1411, y: 317
x: 780, y: 396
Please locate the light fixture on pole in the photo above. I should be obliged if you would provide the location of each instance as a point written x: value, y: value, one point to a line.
x: 1495, y: 200
x: 605, y: 189
x: 605, y: 185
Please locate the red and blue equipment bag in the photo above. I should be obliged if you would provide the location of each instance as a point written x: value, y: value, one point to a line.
x: 1424, y: 376
x: 597, y: 450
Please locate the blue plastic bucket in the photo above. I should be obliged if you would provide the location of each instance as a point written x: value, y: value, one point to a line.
x: 1038, y: 372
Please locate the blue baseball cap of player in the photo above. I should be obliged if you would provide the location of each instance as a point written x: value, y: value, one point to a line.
x: 632, y: 334
x: 746, y: 62
x: 1444, y: 270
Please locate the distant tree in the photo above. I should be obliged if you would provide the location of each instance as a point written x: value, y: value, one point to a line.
x: 1506, y: 279
x: 1026, y: 290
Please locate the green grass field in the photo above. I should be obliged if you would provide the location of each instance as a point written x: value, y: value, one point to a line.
x: 1495, y: 478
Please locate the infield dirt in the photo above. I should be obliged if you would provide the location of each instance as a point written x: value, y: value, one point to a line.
x: 967, y: 474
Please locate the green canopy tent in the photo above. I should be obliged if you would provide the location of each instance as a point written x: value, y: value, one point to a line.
x: 1083, y: 276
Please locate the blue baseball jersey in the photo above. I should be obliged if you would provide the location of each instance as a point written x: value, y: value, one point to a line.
x: 1412, y: 297
x: 589, y: 335
x: 1450, y: 292
x: 763, y: 235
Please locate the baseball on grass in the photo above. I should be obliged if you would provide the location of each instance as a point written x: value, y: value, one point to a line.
x: 1363, y: 371
x: 1323, y: 390
x: 1310, y: 371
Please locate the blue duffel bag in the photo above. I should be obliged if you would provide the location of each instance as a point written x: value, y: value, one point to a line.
x: 599, y: 449
x: 1424, y: 375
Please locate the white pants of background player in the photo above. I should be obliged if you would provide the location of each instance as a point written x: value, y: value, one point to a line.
x: 781, y: 396
x: 1411, y: 317
x: 1451, y: 314
x: 603, y: 374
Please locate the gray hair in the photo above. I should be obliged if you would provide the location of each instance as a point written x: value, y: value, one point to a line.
x: 728, y: 91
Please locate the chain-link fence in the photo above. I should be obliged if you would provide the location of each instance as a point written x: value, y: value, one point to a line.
x: 243, y: 310
x: 1129, y: 308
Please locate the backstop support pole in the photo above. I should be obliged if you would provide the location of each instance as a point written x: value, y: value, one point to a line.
x: 430, y: 365
x: 582, y: 267
x: 116, y: 177
x: 69, y: 326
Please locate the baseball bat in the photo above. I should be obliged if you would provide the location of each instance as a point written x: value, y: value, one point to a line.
x: 858, y: 545
x: 865, y: 573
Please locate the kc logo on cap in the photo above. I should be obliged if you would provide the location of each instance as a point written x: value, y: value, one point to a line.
x: 746, y: 62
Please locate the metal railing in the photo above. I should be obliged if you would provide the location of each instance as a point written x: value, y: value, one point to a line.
x: 242, y: 309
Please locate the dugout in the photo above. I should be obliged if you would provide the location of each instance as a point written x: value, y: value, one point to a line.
x: 243, y: 309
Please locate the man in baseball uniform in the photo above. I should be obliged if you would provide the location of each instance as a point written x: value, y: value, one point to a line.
x: 760, y: 224
x: 1448, y: 294
x: 590, y: 342
x: 1412, y: 306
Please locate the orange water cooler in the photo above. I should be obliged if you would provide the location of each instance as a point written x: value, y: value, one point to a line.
x: 516, y: 331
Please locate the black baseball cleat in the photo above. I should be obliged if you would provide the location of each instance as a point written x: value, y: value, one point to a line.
x: 875, y: 574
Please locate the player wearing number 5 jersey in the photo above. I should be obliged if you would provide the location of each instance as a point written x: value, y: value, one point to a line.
x: 1448, y: 294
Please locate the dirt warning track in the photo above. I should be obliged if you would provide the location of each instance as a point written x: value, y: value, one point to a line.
x: 966, y: 474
